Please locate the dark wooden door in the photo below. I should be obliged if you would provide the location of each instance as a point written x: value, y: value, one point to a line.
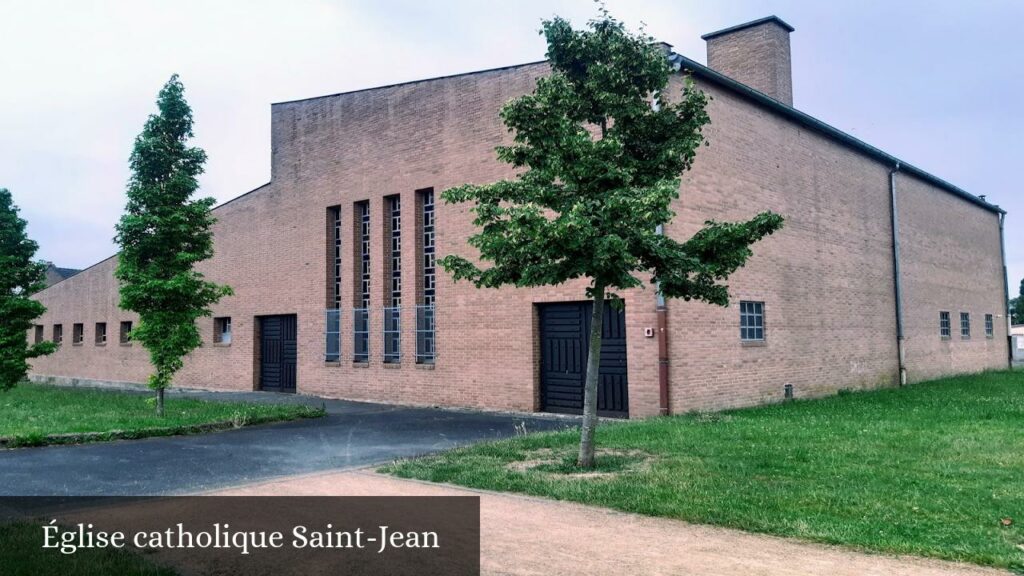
x: 564, y: 333
x: 278, y: 353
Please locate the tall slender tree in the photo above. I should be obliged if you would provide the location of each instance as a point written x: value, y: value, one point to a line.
x: 20, y: 277
x: 163, y: 234
x: 600, y: 146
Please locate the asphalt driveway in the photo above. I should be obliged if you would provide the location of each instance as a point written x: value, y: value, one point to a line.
x: 352, y: 435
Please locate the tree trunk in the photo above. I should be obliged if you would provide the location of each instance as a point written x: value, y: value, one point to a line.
x: 586, y: 457
x: 160, y: 402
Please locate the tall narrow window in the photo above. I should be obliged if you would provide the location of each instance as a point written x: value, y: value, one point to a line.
x: 58, y: 333
x: 77, y: 334
x: 990, y: 328
x: 393, y: 307
x: 39, y: 334
x: 965, y: 325
x: 361, y: 314
x: 126, y: 332
x: 332, y: 325
x: 425, y: 326
x: 752, y: 321
x: 945, y: 330
x: 101, y: 333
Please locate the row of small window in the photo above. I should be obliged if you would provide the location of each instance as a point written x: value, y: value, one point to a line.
x: 945, y: 327
x: 78, y: 333
x: 221, y: 333
x: 752, y: 323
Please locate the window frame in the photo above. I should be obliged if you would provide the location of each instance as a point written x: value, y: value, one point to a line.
x: 362, y: 266
x: 124, y: 336
x: 965, y: 325
x: 222, y: 327
x: 100, y: 337
x: 392, y: 313
x: 990, y: 326
x: 752, y: 322
x: 945, y: 331
x: 77, y: 334
x: 58, y: 334
x: 426, y: 277
x: 332, y: 313
x: 39, y: 334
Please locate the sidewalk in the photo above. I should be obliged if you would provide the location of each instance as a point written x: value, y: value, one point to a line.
x: 518, y: 533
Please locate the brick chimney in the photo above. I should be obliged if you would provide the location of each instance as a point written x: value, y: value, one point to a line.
x: 756, y: 54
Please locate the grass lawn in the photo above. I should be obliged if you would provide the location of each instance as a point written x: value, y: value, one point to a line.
x: 30, y: 414
x: 934, y: 469
x: 21, y: 554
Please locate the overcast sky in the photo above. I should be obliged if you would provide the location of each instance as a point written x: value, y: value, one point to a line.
x: 937, y: 84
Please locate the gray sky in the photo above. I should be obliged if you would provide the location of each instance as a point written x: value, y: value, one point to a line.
x: 935, y: 83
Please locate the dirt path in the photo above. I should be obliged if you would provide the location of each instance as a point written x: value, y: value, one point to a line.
x: 521, y: 535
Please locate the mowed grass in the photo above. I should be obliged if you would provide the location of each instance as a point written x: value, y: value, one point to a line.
x: 22, y: 554
x: 934, y: 469
x: 30, y: 414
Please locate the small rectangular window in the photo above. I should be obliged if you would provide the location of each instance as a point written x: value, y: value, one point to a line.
x: 965, y: 325
x: 945, y: 329
x: 39, y: 334
x: 990, y: 328
x: 222, y: 330
x: 332, y: 333
x: 361, y: 335
x: 77, y: 334
x: 126, y: 332
x: 58, y: 333
x: 751, y: 321
x: 101, y: 333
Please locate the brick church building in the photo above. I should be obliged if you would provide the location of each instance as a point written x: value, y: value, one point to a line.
x: 882, y: 272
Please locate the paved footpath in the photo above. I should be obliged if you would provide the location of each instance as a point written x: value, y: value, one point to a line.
x: 517, y: 533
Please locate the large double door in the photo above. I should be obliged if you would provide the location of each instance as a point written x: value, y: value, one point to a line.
x: 564, y: 336
x: 278, y: 353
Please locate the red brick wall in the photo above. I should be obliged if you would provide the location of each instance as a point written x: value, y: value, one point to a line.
x: 826, y: 279
x: 949, y: 261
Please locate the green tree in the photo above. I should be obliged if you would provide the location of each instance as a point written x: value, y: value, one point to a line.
x: 600, y: 147
x: 20, y: 277
x: 1017, y: 306
x: 163, y: 234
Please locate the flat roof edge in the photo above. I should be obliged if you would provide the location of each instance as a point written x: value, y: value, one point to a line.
x: 91, y: 266
x: 828, y: 130
x: 410, y: 82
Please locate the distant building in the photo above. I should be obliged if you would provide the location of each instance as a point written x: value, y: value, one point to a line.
x: 1017, y: 330
x: 882, y: 270
x: 55, y: 274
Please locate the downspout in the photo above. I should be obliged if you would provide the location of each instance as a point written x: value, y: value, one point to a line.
x: 1006, y: 290
x: 898, y: 285
x: 662, y: 313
